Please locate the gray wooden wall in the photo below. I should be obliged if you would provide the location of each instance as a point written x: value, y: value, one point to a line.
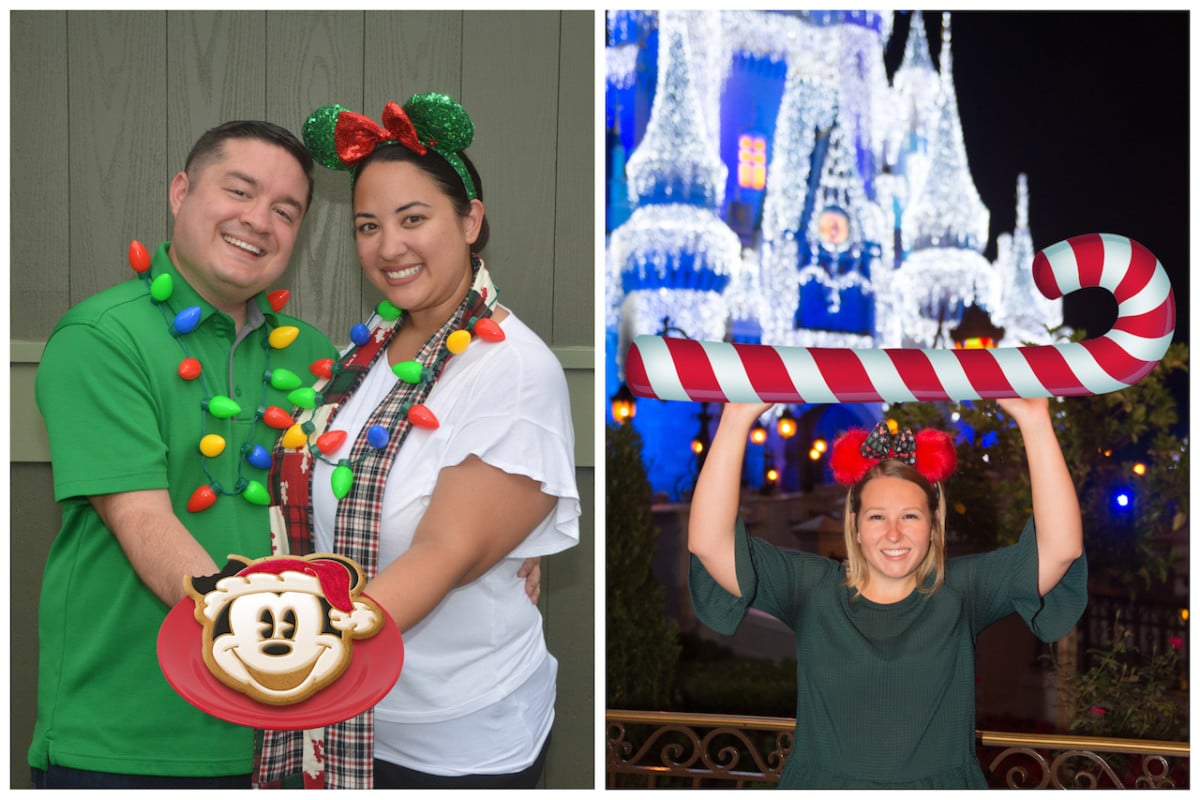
x: 104, y: 108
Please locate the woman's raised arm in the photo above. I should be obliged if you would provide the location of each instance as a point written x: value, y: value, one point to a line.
x: 717, y: 494
x: 1055, y: 504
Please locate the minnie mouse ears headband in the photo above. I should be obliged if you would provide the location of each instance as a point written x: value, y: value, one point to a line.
x: 339, y: 139
x: 930, y: 451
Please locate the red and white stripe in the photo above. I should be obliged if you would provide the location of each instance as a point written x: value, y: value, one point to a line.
x: 683, y: 369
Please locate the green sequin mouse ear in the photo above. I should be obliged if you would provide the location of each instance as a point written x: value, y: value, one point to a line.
x: 444, y: 126
x: 319, y: 133
x: 339, y: 139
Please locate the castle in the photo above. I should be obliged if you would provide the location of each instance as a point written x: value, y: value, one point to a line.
x: 768, y: 183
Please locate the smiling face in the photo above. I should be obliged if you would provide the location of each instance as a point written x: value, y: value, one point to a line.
x: 277, y: 650
x: 413, y: 245
x: 237, y: 216
x: 894, y: 526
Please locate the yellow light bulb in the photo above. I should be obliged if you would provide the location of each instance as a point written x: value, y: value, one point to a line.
x: 212, y: 445
x: 295, y: 437
x: 283, y: 336
x: 458, y: 341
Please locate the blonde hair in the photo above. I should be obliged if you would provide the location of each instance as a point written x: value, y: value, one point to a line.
x: 934, y: 562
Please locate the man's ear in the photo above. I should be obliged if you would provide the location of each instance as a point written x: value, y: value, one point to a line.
x: 180, y: 185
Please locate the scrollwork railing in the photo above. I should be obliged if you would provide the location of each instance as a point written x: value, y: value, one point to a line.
x: 1040, y: 761
x: 666, y: 749
x: 694, y: 749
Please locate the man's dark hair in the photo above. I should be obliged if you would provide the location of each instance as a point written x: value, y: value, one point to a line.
x: 209, y: 146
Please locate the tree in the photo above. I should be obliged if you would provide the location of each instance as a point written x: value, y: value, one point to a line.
x: 642, y: 647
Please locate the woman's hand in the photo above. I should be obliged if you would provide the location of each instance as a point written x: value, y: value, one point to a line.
x: 1025, y: 409
x: 531, y: 571
x: 744, y: 413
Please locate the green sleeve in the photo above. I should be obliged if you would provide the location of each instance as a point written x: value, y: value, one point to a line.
x: 101, y: 417
x: 715, y: 607
x: 1005, y: 581
x: 771, y: 579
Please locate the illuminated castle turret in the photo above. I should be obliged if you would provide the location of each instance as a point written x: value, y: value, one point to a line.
x: 944, y: 230
x: 674, y: 256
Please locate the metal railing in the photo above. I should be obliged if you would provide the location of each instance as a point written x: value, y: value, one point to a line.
x: 670, y: 750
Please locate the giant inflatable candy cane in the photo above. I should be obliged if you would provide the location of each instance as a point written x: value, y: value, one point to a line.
x: 683, y: 369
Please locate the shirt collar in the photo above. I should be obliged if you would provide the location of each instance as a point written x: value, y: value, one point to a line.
x: 258, y: 308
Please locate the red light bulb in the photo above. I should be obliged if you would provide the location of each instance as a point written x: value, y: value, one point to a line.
x: 277, y: 418
x: 139, y: 259
x: 322, y: 368
x: 422, y: 417
x: 201, y: 499
x: 328, y: 443
x: 278, y: 299
x: 189, y: 369
x: 488, y: 330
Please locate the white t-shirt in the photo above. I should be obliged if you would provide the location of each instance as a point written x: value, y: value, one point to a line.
x: 481, y: 651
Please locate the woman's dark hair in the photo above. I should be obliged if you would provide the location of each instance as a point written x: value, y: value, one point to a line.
x: 440, y: 171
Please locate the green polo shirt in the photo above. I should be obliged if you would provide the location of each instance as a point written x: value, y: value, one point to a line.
x: 119, y: 419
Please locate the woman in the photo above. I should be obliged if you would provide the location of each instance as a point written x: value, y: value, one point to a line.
x: 438, y: 455
x: 885, y: 642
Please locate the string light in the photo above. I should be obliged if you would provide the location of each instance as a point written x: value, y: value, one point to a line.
x: 211, y: 445
x: 412, y: 372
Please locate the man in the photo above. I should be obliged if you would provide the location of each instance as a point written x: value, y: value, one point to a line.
x: 125, y: 429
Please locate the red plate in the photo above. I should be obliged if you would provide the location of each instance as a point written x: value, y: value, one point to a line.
x: 374, y: 667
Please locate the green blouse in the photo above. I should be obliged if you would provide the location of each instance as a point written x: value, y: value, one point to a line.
x: 886, y: 692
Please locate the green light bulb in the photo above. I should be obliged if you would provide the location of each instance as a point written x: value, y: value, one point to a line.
x: 285, y: 380
x: 162, y: 287
x: 341, y: 480
x: 257, y: 494
x: 222, y: 407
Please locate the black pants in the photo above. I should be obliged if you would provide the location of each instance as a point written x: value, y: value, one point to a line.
x: 393, y: 776
x: 66, y: 778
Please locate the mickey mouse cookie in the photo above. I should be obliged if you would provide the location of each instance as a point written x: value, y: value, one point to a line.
x: 280, y: 629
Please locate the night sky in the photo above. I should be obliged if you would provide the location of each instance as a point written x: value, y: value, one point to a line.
x: 1093, y: 107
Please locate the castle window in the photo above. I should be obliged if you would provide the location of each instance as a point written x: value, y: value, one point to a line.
x: 752, y: 161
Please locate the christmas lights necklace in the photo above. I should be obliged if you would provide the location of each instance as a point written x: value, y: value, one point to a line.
x: 415, y: 380
x: 221, y: 407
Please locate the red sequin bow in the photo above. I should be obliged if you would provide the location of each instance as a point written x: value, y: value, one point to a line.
x: 355, y: 137
x: 881, y: 443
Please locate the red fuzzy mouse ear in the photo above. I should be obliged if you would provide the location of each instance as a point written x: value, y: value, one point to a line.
x: 937, y: 457
x: 846, y: 459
